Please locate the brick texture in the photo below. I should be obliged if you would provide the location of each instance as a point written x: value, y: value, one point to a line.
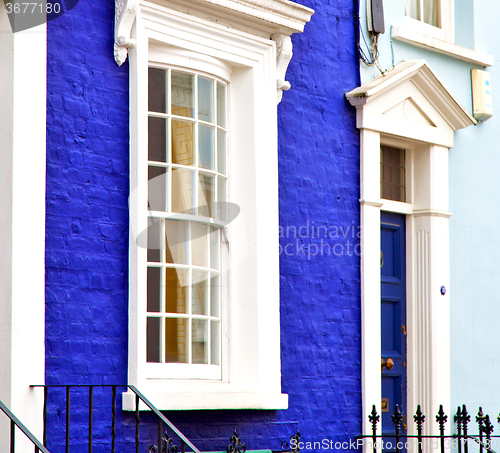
x: 87, y: 237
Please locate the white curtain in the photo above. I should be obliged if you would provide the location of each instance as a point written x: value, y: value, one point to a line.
x: 425, y: 10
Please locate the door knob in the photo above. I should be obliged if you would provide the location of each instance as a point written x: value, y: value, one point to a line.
x: 388, y: 363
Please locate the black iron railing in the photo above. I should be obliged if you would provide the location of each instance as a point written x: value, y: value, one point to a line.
x: 397, y: 439
x: 14, y: 421
x: 164, y: 441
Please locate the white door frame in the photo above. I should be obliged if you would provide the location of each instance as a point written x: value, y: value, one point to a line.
x: 409, y: 108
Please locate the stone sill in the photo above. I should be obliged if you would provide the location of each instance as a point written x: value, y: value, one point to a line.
x: 410, y: 36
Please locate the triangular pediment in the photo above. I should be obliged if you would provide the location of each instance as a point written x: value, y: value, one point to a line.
x: 410, y: 93
x: 409, y: 110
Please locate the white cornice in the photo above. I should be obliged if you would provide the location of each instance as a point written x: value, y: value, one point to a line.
x: 279, y: 16
x: 426, y: 81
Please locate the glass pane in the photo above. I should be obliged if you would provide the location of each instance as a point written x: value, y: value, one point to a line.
x: 154, y: 289
x: 412, y: 9
x: 222, y: 212
x: 176, y: 242
x: 182, y: 94
x: 157, y: 188
x: 199, y: 346
x: 206, y: 147
x: 214, y: 248
x: 221, y: 152
x: 154, y: 237
x: 157, y: 139
x: 221, y: 105
x: 206, y: 194
x: 205, y: 99
x: 176, y: 293
x: 200, y: 292
x: 199, y: 244
x: 214, y: 296
x: 176, y: 340
x: 214, y: 343
x: 182, y: 190
x: 153, y: 339
x: 157, y: 83
x: 392, y: 173
x: 431, y: 12
x: 182, y: 142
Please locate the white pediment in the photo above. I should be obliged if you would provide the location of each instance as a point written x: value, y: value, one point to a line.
x: 409, y: 110
x: 410, y: 101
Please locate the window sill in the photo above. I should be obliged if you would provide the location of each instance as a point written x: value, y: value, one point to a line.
x: 410, y: 36
x: 210, y: 400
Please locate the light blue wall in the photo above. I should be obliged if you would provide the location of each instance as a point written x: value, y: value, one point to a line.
x: 474, y: 202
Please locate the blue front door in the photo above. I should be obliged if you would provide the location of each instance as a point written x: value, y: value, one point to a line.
x: 393, y: 307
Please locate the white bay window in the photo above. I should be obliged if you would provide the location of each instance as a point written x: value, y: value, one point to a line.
x: 204, y: 291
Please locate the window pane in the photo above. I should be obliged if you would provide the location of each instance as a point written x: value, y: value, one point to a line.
x: 205, y: 99
x: 214, y: 296
x: 221, y: 105
x: 392, y: 174
x: 154, y: 289
x: 154, y: 235
x: 206, y: 195
x: 176, y: 340
x: 199, y: 346
x: 182, y: 94
x: 199, y: 244
x: 157, y: 188
x: 206, y: 146
x: 157, y: 93
x: 431, y: 12
x: 182, y: 190
x: 214, y: 343
x: 222, y: 213
x: 157, y: 139
x: 182, y: 142
x: 221, y: 152
x: 176, y: 242
x: 214, y: 248
x: 200, y: 292
x: 176, y: 282
x: 412, y: 9
x: 153, y: 339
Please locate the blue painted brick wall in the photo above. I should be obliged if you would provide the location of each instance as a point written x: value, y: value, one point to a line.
x: 87, y: 234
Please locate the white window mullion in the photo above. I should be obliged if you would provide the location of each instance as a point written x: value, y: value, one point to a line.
x: 163, y: 284
x: 189, y: 310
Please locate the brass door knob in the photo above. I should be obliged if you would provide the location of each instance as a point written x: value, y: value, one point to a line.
x: 388, y: 363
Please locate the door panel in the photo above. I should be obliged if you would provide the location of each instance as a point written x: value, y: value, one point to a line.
x: 393, y: 313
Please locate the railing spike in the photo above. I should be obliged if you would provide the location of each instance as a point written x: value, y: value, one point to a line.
x: 419, y: 417
x: 397, y: 417
x: 236, y: 446
x: 441, y: 418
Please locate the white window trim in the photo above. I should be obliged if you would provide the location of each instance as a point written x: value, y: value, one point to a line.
x: 23, y: 102
x: 252, y: 376
x: 425, y: 41
x: 383, y: 118
x: 447, y: 30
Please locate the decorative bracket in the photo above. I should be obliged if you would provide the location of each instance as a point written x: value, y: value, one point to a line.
x: 283, y: 56
x: 125, y: 14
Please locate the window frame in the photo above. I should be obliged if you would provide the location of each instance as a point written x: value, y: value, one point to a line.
x: 447, y: 17
x: 251, y: 372
x: 190, y: 370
